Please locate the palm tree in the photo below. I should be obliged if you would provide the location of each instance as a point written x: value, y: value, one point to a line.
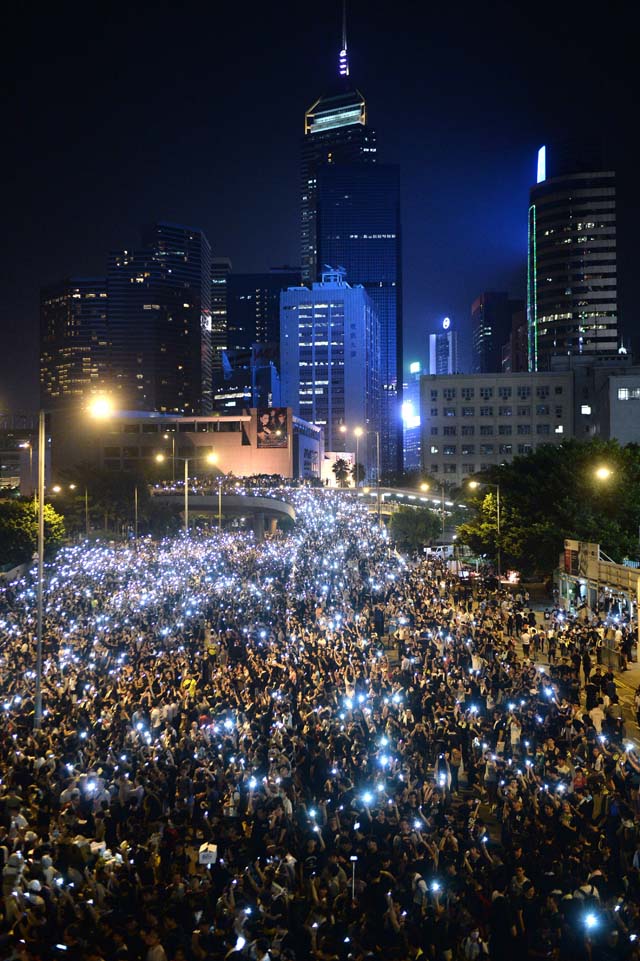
x: 341, y: 470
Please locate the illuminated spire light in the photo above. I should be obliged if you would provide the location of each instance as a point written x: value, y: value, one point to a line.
x: 343, y: 60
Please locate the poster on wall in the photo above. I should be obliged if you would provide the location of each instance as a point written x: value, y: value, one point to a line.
x: 272, y: 427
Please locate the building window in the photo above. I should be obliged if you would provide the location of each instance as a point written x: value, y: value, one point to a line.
x: 486, y: 411
x: 468, y: 412
x: 628, y: 393
x: 449, y: 431
x: 434, y: 411
x: 505, y: 449
x: 542, y: 410
x: 524, y: 448
x: 524, y: 391
x: 467, y: 430
x: 542, y: 392
x: 559, y: 411
x: 558, y: 391
x: 449, y: 393
x: 468, y: 449
x: 542, y: 429
x: 468, y: 468
x: 467, y: 393
x: 486, y: 393
x: 486, y: 431
x: 524, y: 428
x: 435, y: 449
x: 585, y: 409
x: 504, y: 393
x: 505, y: 411
x: 449, y: 468
x: 559, y: 429
x: 486, y: 448
x: 449, y: 411
x: 434, y: 431
x: 523, y: 410
x: 434, y: 395
x: 449, y: 450
x: 434, y: 468
x: 505, y: 430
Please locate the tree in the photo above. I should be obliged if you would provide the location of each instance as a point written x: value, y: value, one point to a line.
x: 341, y: 471
x: 19, y: 530
x: 414, y: 527
x: 553, y: 494
x: 358, y: 473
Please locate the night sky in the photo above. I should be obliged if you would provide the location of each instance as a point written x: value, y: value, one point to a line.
x: 121, y: 114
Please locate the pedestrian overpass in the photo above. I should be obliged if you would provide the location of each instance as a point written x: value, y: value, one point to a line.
x: 265, y: 512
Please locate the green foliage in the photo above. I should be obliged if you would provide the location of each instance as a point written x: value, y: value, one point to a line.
x: 19, y: 530
x: 358, y: 473
x: 414, y: 527
x: 553, y: 494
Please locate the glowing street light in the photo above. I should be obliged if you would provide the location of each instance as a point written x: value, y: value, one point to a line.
x: 603, y: 473
x: 424, y: 486
x: 100, y: 407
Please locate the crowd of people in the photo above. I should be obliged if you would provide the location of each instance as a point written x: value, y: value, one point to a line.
x: 307, y: 748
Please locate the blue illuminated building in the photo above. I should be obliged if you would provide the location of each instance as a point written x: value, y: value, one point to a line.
x: 329, y: 357
x: 411, y: 418
x: 351, y: 217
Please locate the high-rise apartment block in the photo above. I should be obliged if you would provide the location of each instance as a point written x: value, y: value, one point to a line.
x: 572, y: 303
x: 491, y: 324
x: 74, y: 340
x: 160, y: 321
x: 443, y: 350
x: 330, y: 359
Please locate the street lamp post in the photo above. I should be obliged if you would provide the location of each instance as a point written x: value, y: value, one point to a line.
x: 358, y: 434
x: 425, y: 487
x: 172, y: 435
x: 100, y: 408
x: 473, y: 485
x: 212, y: 458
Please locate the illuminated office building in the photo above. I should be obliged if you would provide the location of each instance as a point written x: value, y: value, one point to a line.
x: 443, y: 350
x: 253, y: 307
x: 220, y: 270
x: 74, y: 342
x: 160, y: 321
x: 491, y: 327
x: 351, y: 217
x: 411, y: 418
x: 329, y: 356
x: 572, y: 306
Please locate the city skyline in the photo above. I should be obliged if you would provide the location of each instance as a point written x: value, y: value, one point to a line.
x: 468, y: 156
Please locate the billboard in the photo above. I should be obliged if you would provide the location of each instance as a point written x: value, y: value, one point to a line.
x: 272, y: 427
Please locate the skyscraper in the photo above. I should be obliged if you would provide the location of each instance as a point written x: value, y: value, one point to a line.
x: 491, y: 323
x: 411, y: 417
x: 351, y: 217
x: 160, y: 321
x: 330, y: 358
x: 571, y: 279
x: 443, y: 350
x: 220, y: 269
x: 74, y: 342
x: 253, y: 306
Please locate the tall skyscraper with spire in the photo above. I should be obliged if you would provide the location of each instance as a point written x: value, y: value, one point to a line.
x: 350, y: 217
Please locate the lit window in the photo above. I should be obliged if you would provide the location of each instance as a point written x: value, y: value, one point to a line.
x: 585, y: 409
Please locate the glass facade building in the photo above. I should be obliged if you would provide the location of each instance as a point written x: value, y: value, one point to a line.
x: 253, y: 306
x: 491, y: 324
x: 571, y: 279
x: 358, y: 227
x: 220, y: 269
x: 443, y: 350
x: 330, y: 359
x: 160, y: 321
x: 74, y: 340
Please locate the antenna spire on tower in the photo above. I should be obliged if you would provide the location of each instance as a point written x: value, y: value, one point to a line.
x: 343, y: 61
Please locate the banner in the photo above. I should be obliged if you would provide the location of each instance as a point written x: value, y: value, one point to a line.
x: 272, y: 427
